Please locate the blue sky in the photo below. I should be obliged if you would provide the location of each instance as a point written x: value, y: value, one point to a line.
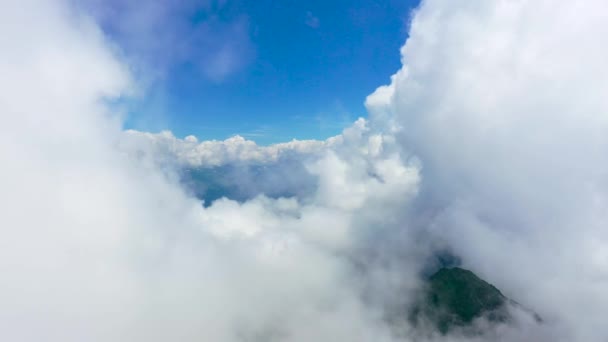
x: 268, y: 70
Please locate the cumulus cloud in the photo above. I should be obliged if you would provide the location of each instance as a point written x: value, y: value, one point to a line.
x: 190, y: 152
x: 489, y: 141
x: 502, y: 102
x: 99, y: 245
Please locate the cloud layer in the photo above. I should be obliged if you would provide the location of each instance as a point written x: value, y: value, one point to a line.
x: 490, y: 142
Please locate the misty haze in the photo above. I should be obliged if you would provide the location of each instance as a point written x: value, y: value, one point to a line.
x: 298, y: 171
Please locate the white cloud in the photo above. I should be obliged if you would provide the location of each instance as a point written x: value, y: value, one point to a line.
x: 190, y: 152
x: 100, y: 246
x: 502, y: 101
x: 490, y: 140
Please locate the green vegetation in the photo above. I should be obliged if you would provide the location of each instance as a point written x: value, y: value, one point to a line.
x: 455, y: 297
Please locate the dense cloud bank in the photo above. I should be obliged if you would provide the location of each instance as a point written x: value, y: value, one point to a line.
x: 489, y: 142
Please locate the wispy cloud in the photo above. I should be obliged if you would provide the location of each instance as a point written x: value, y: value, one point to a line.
x: 159, y: 35
x: 311, y: 20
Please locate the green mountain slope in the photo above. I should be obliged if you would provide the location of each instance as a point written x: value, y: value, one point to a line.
x: 455, y: 297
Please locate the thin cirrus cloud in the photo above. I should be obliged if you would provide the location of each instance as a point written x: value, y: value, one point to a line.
x: 489, y: 141
x: 159, y: 35
x: 312, y: 21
